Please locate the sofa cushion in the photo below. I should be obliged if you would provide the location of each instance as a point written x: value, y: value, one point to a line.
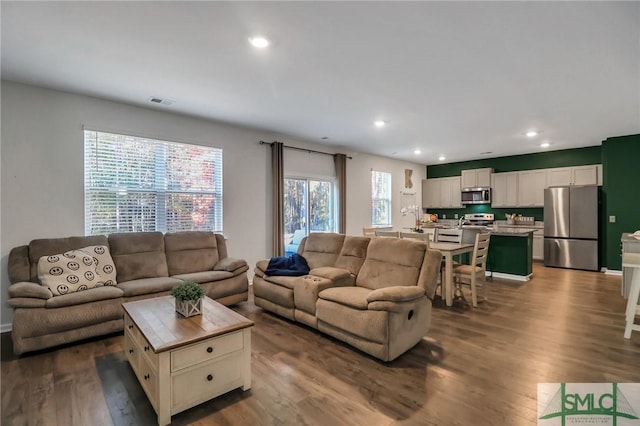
x: 204, y: 277
x: 190, y: 251
x: 354, y: 297
x: 322, y: 249
x: 333, y: 274
x: 353, y: 253
x: 391, y: 262
x: 396, y: 294
x: 148, y: 285
x: 88, y: 296
x: 138, y: 255
x: 283, y: 281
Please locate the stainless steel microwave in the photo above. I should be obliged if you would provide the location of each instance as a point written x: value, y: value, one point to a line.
x: 476, y: 196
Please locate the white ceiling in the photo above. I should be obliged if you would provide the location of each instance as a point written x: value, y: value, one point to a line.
x: 451, y: 78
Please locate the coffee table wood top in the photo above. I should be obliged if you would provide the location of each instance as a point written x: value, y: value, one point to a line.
x: 165, y: 329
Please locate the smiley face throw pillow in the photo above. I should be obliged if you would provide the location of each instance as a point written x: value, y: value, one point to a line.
x: 77, y: 270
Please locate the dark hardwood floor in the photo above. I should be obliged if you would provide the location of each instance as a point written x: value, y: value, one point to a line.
x: 476, y: 366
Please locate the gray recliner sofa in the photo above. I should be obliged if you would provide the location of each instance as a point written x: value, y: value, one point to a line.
x: 148, y: 264
x: 372, y: 293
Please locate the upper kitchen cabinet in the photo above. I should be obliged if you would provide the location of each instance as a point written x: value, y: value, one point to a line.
x: 531, y: 184
x: 476, y: 178
x: 578, y: 175
x: 504, y: 189
x: 441, y: 193
x: 430, y: 193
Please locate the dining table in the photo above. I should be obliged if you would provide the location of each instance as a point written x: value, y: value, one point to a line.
x: 449, y: 250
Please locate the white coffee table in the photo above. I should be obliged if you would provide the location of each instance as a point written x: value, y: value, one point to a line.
x: 182, y: 362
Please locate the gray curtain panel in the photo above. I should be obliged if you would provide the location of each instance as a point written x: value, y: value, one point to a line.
x: 340, y: 161
x: 277, y: 174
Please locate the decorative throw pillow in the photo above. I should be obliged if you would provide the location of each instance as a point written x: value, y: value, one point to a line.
x: 104, y: 266
x: 77, y: 270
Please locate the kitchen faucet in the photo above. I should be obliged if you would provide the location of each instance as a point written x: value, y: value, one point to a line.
x: 460, y: 221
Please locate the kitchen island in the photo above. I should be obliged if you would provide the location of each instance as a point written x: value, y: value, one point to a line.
x: 511, y: 254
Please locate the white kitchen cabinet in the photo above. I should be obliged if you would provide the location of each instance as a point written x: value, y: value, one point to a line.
x: 441, y: 193
x: 531, y: 184
x: 504, y: 189
x: 578, y: 175
x: 538, y: 245
x: 430, y: 193
x: 476, y: 178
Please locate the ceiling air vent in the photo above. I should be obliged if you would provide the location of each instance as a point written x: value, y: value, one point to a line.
x: 161, y: 101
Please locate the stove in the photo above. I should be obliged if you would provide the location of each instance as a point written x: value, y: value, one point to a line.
x: 478, y: 220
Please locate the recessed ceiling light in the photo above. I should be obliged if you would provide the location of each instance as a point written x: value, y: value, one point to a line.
x: 379, y: 123
x: 442, y: 158
x: 259, y: 41
x: 531, y: 134
x: 417, y: 152
x: 545, y: 145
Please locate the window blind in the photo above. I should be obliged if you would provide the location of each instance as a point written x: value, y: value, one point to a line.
x: 139, y: 184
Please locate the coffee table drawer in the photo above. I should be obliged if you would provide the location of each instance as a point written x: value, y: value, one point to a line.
x: 205, y: 351
x: 205, y: 382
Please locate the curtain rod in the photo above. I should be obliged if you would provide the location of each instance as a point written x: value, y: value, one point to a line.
x: 310, y: 151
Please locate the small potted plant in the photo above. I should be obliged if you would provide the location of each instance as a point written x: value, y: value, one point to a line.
x: 188, y: 296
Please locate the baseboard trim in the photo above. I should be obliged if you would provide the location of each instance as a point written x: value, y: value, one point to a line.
x: 522, y: 278
x: 4, y: 328
x: 612, y: 272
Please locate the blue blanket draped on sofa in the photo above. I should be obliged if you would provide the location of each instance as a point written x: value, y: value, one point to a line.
x: 293, y: 266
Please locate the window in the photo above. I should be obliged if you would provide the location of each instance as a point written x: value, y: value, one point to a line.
x: 138, y: 184
x: 380, y: 198
x: 308, y: 205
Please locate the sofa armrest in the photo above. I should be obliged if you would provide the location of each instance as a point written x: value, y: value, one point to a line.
x: 261, y: 266
x: 396, y: 294
x: 26, y: 289
x: 230, y: 264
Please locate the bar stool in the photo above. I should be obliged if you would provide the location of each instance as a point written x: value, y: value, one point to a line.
x: 632, y: 260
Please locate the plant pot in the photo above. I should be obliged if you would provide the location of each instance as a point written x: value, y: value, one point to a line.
x: 189, y: 308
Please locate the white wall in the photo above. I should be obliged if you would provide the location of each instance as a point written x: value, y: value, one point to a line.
x: 42, y: 170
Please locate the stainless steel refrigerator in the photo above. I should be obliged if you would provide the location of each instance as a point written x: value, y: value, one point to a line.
x: 571, y: 227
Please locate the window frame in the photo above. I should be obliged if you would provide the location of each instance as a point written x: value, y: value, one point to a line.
x: 377, y: 200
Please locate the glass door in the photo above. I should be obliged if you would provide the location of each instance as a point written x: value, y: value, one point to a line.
x: 308, y: 207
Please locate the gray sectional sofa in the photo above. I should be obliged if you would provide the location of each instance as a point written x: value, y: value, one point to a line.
x: 147, y: 264
x: 372, y: 293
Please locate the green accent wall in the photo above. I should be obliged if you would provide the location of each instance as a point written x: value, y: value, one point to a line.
x: 620, y: 192
x: 541, y: 160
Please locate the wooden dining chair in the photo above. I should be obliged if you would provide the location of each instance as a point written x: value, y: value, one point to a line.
x: 476, y: 271
x: 416, y: 236
x: 447, y: 235
x: 369, y: 232
x: 395, y: 234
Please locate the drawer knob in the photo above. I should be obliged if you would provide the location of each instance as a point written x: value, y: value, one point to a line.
x: 146, y: 377
x: 130, y: 351
x: 209, y: 349
x: 209, y: 377
x: 146, y: 348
